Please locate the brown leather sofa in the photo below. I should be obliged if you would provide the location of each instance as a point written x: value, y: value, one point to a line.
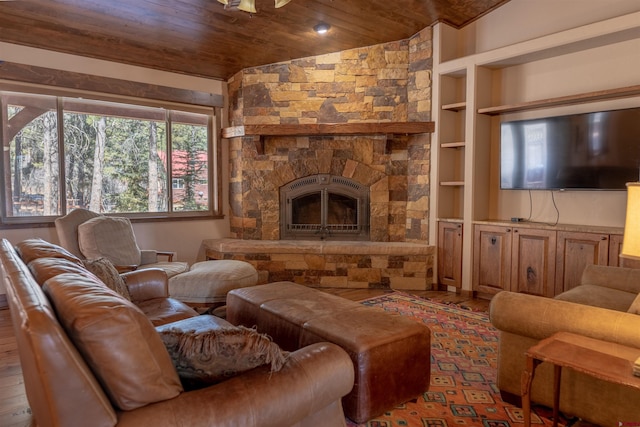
x: 604, y: 306
x: 68, y: 386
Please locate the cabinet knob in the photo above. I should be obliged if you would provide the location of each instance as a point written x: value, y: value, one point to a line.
x: 493, y: 240
x: 603, y: 238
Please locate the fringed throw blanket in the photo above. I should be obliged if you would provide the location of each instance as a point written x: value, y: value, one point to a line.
x: 204, y: 358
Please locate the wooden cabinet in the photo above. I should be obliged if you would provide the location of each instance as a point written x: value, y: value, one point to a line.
x: 533, y: 261
x: 538, y: 261
x: 491, y: 259
x: 575, y: 251
x: 450, y: 254
x: 514, y: 259
x: 615, y: 248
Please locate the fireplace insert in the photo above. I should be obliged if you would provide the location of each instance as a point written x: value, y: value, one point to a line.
x: 324, y: 207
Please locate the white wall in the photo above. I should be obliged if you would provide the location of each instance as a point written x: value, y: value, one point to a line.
x: 183, y: 237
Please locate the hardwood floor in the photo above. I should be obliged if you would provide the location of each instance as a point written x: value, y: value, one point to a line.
x: 14, y: 408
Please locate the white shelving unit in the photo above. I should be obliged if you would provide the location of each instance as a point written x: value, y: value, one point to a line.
x: 472, y: 92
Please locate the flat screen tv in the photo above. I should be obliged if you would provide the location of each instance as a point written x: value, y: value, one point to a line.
x: 590, y: 151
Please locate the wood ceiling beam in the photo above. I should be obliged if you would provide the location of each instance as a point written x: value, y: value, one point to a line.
x: 98, y: 84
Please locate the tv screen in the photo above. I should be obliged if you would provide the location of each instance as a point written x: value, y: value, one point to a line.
x: 591, y: 151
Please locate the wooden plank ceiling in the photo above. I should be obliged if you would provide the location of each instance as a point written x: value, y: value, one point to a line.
x: 201, y: 38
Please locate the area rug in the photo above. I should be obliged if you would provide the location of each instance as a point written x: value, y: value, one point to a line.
x: 463, y: 389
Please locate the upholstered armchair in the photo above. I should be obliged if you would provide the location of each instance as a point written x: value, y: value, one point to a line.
x: 205, y: 284
x: 90, y: 235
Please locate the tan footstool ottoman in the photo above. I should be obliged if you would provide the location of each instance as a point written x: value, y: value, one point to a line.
x: 391, y: 354
x: 208, y: 282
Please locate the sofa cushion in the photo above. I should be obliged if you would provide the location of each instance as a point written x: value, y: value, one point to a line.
x: 111, y: 238
x: 598, y: 296
x: 205, y: 356
x: 31, y: 249
x: 116, y: 340
x: 104, y: 270
x: 43, y: 269
x: 172, y: 268
x: 619, y: 278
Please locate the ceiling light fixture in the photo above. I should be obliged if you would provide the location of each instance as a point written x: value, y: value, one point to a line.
x: 322, y: 28
x: 247, y: 5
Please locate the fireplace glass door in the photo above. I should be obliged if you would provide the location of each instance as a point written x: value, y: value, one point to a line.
x: 324, y: 207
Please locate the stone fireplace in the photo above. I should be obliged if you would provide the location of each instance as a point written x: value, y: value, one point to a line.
x: 386, y: 83
x: 391, y: 171
x: 394, y: 169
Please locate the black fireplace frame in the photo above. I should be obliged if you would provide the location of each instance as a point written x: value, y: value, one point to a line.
x: 324, y: 184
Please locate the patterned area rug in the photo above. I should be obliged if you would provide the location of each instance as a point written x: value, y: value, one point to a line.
x: 463, y: 389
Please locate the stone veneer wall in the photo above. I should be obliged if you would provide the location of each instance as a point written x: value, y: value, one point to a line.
x: 381, y: 83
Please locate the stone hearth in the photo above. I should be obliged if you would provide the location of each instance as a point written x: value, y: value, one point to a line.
x: 389, y: 265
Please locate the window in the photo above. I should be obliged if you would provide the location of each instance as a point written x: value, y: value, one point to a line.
x: 177, y: 184
x: 61, y: 153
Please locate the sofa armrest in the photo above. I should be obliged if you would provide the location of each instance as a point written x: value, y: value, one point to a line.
x: 314, y: 377
x: 147, y: 284
x: 538, y: 318
x: 167, y: 254
x: 125, y: 268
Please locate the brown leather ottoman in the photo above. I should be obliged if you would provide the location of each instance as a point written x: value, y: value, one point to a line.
x: 390, y: 353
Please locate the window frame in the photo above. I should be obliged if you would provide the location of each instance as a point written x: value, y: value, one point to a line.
x: 212, y: 110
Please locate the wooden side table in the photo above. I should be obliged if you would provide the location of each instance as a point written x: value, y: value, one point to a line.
x: 600, y: 359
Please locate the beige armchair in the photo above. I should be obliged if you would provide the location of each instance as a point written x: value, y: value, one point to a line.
x: 603, y: 307
x: 88, y: 234
x: 205, y: 284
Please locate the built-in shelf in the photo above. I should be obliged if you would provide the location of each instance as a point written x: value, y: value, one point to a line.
x: 449, y: 219
x: 459, y: 144
x: 599, y: 95
x: 463, y: 192
x: 384, y: 128
x: 457, y: 106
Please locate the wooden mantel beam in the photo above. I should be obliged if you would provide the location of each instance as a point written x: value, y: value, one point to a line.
x: 330, y: 129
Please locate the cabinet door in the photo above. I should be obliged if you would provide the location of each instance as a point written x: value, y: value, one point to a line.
x: 491, y: 259
x: 615, y: 248
x: 534, y: 261
x: 450, y: 254
x: 575, y: 251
